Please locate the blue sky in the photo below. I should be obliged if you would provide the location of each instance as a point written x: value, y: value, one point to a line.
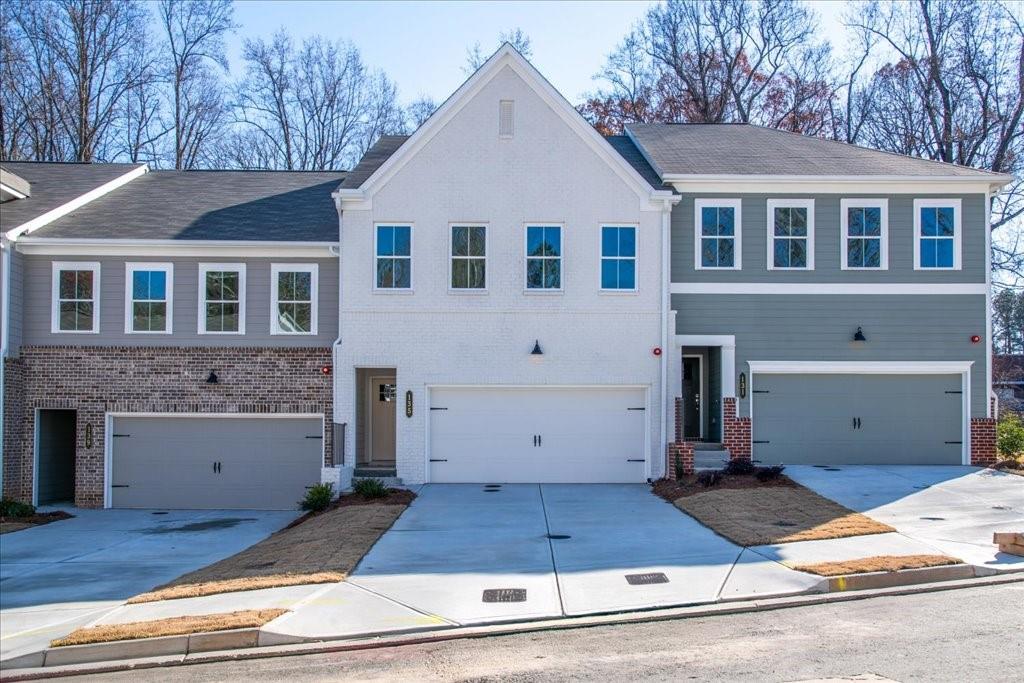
x: 422, y: 45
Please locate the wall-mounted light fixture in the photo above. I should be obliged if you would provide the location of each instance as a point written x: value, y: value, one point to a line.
x: 212, y: 378
x: 536, y: 349
x: 325, y: 370
x: 858, y: 336
x: 975, y: 338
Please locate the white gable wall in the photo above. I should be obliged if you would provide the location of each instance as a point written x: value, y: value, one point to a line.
x: 546, y: 173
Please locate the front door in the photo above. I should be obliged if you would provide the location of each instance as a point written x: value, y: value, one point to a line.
x: 691, y: 397
x: 382, y: 397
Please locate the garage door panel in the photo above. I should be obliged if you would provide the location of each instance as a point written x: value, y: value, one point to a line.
x: 586, y: 435
x: 168, y: 462
x: 901, y: 419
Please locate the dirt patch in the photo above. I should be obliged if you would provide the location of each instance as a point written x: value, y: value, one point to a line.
x: 9, y: 524
x: 1011, y: 466
x: 878, y: 563
x: 324, y: 549
x: 750, y: 512
x: 174, y: 626
x: 401, y: 497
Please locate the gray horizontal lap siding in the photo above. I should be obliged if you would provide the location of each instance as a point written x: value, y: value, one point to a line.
x: 38, y: 270
x: 827, y: 242
x: 819, y: 327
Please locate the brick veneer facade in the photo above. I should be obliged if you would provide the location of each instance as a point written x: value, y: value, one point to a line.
x: 97, y: 380
x: 735, y: 431
x: 680, y: 459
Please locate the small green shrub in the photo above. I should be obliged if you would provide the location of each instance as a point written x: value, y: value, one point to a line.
x: 13, y: 508
x: 1010, y: 437
x: 739, y: 467
x: 769, y: 473
x: 370, y: 488
x: 709, y: 478
x: 318, y: 497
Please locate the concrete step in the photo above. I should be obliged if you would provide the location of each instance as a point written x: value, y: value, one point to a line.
x: 365, y: 472
x: 708, y: 446
x: 710, y: 459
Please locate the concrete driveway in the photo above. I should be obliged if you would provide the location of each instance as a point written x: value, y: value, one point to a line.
x: 558, y: 549
x: 56, y: 577
x: 953, y: 510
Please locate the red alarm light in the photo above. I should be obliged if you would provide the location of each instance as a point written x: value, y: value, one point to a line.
x: 975, y: 338
x: 325, y: 370
x: 657, y: 350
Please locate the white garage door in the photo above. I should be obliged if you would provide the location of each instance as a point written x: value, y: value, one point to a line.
x: 537, y: 435
x: 214, y: 462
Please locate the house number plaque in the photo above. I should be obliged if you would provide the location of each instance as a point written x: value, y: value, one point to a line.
x: 743, y: 385
x: 408, y: 404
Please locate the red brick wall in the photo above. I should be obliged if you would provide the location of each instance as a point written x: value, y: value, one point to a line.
x: 983, y: 441
x: 97, y: 380
x: 680, y: 454
x: 679, y: 418
x: 14, y: 404
x: 735, y: 431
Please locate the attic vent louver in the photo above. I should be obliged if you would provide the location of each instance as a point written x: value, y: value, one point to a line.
x: 506, y: 121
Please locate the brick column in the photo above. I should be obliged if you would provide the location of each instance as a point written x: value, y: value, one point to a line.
x: 983, y: 441
x: 679, y: 419
x: 735, y: 431
x: 680, y: 459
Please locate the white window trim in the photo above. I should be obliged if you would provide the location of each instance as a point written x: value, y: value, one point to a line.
x: 412, y: 252
x: 205, y: 268
x: 793, y: 204
x: 636, y: 258
x: 957, y: 231
x: 844, y: 225
x: 737, y: 249
x: 129, y: 270
x: 451, y: 258
x: 526, y: 258
x: 58, y: 266
x: 314, y: 295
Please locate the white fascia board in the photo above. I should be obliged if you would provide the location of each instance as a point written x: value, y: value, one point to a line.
x: 203, y: 248
x: 17, y: 194
x: 844, y: 288
x: 506, y: 55
x: 819, y: 184
x: 860, y: 367
x: 53, y: 214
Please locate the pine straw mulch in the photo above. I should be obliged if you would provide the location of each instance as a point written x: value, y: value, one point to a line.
x: 750, y: 512
x: 173, y: 626
x: 878, y: 563
x: 324, y: 548
x: 9, y: 524
x: 395, y: 497
x: 1011, y: 466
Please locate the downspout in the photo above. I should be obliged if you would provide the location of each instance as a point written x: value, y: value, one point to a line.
x: 666, y: 231
x: 337, y: 344
x: 5, y: 333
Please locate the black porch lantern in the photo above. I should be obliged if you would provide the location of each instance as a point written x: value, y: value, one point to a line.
x: 858, y: 336
x: 536, y: 349
x: 212, y: 378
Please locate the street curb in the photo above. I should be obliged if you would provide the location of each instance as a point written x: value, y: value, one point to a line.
x: 245, y: 652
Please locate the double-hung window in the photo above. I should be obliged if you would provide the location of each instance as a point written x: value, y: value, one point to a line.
x: 790, y: 234
x: 75, y: 298
x: 543, y: 257
x: 293, y: 298
x: 865, y: 228
x: 149, y: 294
x: 937, y: 234
x: 618, y: 258
x: 718, y: 229
x: 469, y: 257
x: 222, y: 298
x: 393, y: 258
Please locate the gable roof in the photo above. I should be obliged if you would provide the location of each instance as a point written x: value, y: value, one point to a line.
x: 55, y: 185
x: 738, y: 149
x: 380, y: 152
x: 505, y: 56
x: 285, y: 206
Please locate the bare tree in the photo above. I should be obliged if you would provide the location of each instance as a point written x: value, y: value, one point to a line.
x: 316, y: 107
x: 419, y: 111
x: 517, y: 38
x: 194, y: 32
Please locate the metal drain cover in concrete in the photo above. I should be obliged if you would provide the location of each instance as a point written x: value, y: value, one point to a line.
x: 504, y: 595
x: 646, y: 579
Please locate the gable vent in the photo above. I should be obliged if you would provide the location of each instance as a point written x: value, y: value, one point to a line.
x: 506, y: 118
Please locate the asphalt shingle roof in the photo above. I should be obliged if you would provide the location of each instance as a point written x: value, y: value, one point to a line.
x: 53, y: 184
x: 629, y: 151
x: 372, y: 160
x: 211, y: 205
x: 743, y: 149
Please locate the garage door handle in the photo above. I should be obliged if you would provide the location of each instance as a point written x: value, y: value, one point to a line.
x: 540, y: 441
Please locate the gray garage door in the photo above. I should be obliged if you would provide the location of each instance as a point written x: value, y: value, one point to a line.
x: 858, y: 419
x: 214, y: 463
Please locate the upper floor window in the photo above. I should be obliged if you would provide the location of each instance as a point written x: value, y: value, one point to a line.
x: 148, y: 298
x: 75, y: 300
x: 790, y: 234
x: 544, y: 257
x: 865, y: 230
x: 393, y: 251
x: 469, y: 257
x: 717, y: 233
x: 937, y: 234
x: 222, y: 298
x: 618, y: 257
x: 293, y: 298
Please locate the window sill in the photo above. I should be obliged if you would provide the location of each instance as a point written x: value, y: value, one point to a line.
x: 618, y: 292
x: 392, y: 291
x: 468, y: 292
x: 543, y: 292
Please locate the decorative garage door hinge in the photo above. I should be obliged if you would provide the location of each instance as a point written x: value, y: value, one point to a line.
x: 761, y: 391
x: 636, y: 408
x: 959, y: 442
x: 438, y: 460
x: 314, y: 436
x: 635, y: 460
x: 756, y: 441
x: 433, y: 408
x: 954, y: 392
x: 116, y: 436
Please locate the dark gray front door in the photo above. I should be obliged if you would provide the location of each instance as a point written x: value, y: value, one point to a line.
x: 214, y: 462
x: 55, y: 480
x: 691, y: 398
x: 858, y: 419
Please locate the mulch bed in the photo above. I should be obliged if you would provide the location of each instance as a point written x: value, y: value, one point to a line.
x: 1011, y: 466
x: 673, y: 490
x: 173, y: 626
x: 394, y: 497
x: 17, y: 523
